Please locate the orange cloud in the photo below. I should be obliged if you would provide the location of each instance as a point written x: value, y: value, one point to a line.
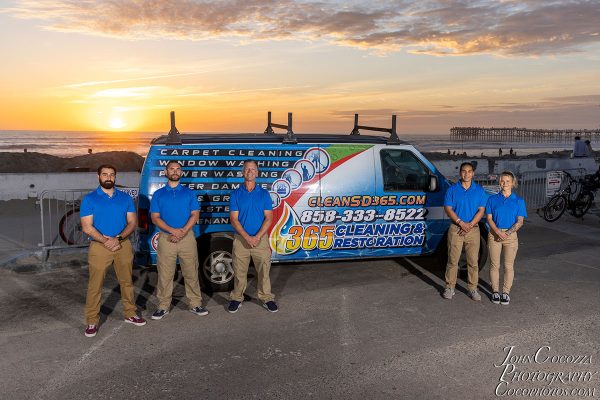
x: 435, y: 27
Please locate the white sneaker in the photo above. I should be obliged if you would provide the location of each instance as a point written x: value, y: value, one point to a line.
x: 474, y: 295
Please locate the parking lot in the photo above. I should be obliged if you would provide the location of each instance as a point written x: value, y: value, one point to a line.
x: 374, y: 329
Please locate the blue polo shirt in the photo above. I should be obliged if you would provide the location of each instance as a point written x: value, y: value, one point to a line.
x: 465, y: 202
x: 505, y: 210
x: 175, y: 205
x: 251, y: 207
x: 110, y: 213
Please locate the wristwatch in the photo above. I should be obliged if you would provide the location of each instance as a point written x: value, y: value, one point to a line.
x: 119, y: 237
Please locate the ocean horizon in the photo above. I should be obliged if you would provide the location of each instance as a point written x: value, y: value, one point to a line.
x: 76, y: 143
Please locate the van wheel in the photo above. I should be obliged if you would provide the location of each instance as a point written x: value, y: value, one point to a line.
x: 216, y: 263
x: 462, y: 261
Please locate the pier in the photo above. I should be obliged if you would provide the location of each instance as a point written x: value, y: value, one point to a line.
x: 522, y: 135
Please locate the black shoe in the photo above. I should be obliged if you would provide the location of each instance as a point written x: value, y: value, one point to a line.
x: 234, y: 306
x: 159, y: 314
x: 495, y: 298
x: 504, y: 299
x: 199, y: 310
x: 271, y: 306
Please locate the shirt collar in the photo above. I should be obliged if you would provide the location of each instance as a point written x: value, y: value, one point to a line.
x: 103, y: 193
x: 512, y: 196
x: 173, y: 189
x: 459, y: 184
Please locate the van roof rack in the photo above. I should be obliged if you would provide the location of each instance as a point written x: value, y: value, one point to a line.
x: 290, y: 137
x: 174, y: 137
x: 393, y: 139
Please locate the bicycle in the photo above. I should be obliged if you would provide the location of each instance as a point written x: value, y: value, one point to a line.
x: 577, y: 196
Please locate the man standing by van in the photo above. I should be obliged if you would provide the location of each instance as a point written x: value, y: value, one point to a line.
x: 174, y: 210
x: 251, y: 214
x: 108, y: 217
x: 465, y: 205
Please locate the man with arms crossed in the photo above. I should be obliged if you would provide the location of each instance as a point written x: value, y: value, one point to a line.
x: 465, y: 205
x: 108, y: 217
x: 250, y: 214
x: 175, y: 210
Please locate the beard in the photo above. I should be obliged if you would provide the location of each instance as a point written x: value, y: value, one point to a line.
x: 107, y: 184
x: 174, y: 178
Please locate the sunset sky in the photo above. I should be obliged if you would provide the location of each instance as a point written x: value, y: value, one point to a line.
x: 221, y: 65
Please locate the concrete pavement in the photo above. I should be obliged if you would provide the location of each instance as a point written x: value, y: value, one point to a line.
x: 353, y: 330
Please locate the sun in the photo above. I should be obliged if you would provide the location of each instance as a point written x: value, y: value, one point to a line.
x: 116, y: 123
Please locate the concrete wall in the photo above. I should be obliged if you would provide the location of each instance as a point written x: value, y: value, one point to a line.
x: 546, y: 164
x: 23, y: 186
x: 449, y: 168
x: 518, y: 166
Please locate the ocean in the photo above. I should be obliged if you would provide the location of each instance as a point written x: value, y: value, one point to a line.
x: 71, y: 144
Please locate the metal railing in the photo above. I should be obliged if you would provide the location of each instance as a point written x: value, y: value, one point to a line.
x: 60, y: 220
x: 59, y: 217
x: 532, y: 185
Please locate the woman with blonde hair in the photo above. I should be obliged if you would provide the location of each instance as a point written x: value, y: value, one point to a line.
x: 505, y: 212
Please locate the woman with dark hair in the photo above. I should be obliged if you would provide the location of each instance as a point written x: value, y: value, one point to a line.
x: 505, y: 212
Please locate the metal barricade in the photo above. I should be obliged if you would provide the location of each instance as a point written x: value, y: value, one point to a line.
x: 60, y: 220
x: 532, y: 185
x: 59, y: 217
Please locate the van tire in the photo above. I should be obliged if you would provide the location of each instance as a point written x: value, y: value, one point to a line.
x: 462, y: 262
x: 216, y: 263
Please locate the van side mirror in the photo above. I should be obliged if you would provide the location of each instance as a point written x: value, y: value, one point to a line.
x: 433, y: 183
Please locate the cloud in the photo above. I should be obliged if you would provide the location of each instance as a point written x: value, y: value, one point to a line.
x: 113, y: 81
x: 555, y: 112
x: 117, y: 93
x: 435, y: 27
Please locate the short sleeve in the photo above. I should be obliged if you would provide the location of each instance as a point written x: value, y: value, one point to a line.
x: 482, y: 198
x: 154, y: 206
x: 522, y: 212
x: 86, y: 207
x: 233, y: 202
x: 194, y: 205
x: 448, y: 197
x: 488, y: 206
x: 267, y: 202
x: 130, y: 204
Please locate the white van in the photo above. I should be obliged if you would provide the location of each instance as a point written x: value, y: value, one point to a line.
x: 334, y: 197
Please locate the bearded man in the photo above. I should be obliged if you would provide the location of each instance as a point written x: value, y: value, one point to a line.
x: 175, y: 210
x: 108, y: 217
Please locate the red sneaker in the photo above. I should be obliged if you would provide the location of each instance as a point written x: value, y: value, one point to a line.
x: 91, y: 330
x: 137, y: 321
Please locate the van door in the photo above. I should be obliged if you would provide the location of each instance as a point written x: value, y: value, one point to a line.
x: 312, y: 222
x: 294, y: 234
x: 402, y: 184
x: 346, y: 202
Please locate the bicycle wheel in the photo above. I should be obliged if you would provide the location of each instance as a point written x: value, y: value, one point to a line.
x: 70, y: 229
x: 555, y: 208
x: 582, y: 204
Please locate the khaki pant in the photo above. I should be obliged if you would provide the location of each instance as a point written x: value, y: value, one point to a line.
x: 99, y: 259
x: 167, y: 254
x: 470, y: 241
x: 509, y: 248
x: 261, y: 255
